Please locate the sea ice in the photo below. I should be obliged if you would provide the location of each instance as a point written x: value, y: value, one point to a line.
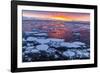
x: 31, y: 39
x: 56, y: 40
x: 42, y: 41
x: 78, y: 43
x: 42, y: 47
x: 69, y: 45
x: 69, y: 54
x: 35, y: 51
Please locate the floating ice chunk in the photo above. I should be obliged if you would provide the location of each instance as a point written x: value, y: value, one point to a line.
x: 88, y: 50
x: 29, y: 48
x: 78, y: 43
x: 85, y: 27
x: 82, y: 54
x: 43, y: 41
x: 35, y: 51
x: 56, y: 56
x: 29, y: 44
x: 69, y: 54
x: 42, y: 47
x: 56, y: 40
x: 26, y: 56
x: 69, y: 45
x: 23, y: 40
x: 28, y: 33
x: 51, y: 50
x: 41, y: 34
x: 31, y: 39
x: 24, y: 47
x: 64, y: 44
x: 79, y: 53
x: 54, y: 44
x: 86, y: 54
x: 27, y: 52
x: 29, y: 59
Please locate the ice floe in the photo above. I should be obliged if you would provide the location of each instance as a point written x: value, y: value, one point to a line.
x: 70, y: 45
x: 78, y: 43
x: 42, y: 47
x: 69, y: 54
x: 31, y: 39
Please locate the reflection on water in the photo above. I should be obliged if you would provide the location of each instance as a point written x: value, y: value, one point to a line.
x: 57, y: 33
x: 60, y: 33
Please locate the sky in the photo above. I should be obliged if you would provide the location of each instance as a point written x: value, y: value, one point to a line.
x: 51, y: 15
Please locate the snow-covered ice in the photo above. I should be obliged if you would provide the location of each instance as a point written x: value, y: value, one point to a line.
x: 43, y: 41
x: 51, y: 50
x: 69, y: 54
x: 78, y: 43
x: 41, y: 34
x: 31, y: 39
x: 42, y: 47
x: 56, y: 40
x: 36, y: 45
x: 35, y: 51
x: 70, y: 45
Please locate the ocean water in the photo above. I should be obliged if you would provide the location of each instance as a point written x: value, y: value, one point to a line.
x: 48, y: 40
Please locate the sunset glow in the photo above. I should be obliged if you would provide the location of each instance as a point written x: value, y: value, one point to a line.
x: 63, y: 16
